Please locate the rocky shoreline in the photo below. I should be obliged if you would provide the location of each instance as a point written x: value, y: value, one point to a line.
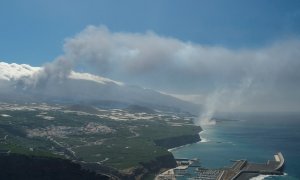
x: 178, y: 141
x: 146, y: 169
x: 162, y: 162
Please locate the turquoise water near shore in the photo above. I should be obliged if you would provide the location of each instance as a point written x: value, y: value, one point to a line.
x: 252, y: 137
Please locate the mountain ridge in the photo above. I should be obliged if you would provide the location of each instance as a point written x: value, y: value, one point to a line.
x: 80, y: 87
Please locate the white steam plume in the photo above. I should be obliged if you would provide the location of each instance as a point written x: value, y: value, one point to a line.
x: 222, y: 97
x: 210, y: 106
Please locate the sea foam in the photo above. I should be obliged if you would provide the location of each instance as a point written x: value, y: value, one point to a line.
x: 262, y: 177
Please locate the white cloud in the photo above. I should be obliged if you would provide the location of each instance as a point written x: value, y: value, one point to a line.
x: 246, y: 76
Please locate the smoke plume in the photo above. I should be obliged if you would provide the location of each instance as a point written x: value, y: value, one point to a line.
x: 261, y: 79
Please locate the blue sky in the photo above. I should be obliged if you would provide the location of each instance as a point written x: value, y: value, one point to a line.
x: 33, y: 31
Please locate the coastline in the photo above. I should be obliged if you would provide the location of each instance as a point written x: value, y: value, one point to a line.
x: 184, y: 140
x: 253, y: 166
x: 177, y: 141
x: 186, y: 145
x: 202, y: 140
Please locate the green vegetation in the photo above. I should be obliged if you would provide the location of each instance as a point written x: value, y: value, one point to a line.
x: 19, y: 167
x: 103, y: 137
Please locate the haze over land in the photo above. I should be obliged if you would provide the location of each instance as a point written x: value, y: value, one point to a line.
x: 22, y: 84
x: 249, y: 62
x: 264, y: 79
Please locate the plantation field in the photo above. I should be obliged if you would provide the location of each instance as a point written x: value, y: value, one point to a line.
x: 118, y: 138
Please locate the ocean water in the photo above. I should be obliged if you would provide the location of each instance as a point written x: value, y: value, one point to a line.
x: 253, y: 137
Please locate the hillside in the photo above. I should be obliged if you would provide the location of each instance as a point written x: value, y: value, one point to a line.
x: 128, y: 143
x: 19, y: 83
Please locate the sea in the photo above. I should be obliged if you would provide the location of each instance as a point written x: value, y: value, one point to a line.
x: 255, y: 137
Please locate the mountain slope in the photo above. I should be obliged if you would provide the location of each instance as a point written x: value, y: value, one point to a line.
x: 79, y: 87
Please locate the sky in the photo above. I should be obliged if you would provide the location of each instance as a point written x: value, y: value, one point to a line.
x: 33, y: 31
x: 240, y: 53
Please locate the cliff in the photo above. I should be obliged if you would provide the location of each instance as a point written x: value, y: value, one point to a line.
x: 147, y: 168
x: 173, y: 142
x: 161, y: 162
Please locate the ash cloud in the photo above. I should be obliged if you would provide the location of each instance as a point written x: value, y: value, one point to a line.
x: 262, y: 79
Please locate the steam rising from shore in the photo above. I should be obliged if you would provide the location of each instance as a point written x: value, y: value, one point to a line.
x: 210, y: 107
x: 224, y: 97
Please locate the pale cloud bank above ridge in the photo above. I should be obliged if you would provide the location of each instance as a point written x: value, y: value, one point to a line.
x: 255, y: 79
